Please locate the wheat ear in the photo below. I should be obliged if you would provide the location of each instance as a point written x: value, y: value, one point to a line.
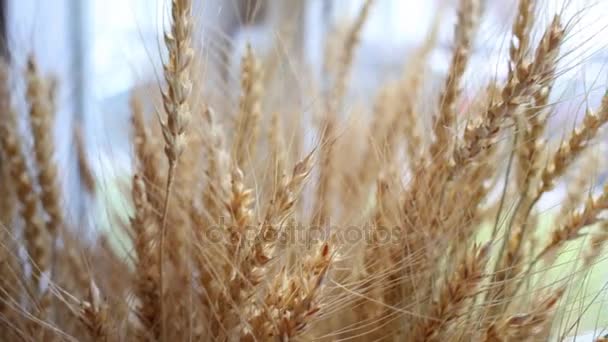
x: 333, y: 105
x: 459, y: 287
x: 293, y: 300
x: 248, y: 120
x: 468, y: 15
x: 572, y: 147
x: 8, y: 260
x: 524, y: 326
x: 34, y: 233
x: 216, y: 188
x: 521, y: 84
x: 175, y: 102
x: 42, y: 128
x: 146, y: 160
x: 147, y: 282
x: 575, y: 221
x: 93, y: 314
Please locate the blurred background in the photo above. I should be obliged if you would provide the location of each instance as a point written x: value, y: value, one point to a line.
x: 100, y: 49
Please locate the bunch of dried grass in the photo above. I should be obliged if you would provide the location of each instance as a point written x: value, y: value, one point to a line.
x: 237, y: 248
